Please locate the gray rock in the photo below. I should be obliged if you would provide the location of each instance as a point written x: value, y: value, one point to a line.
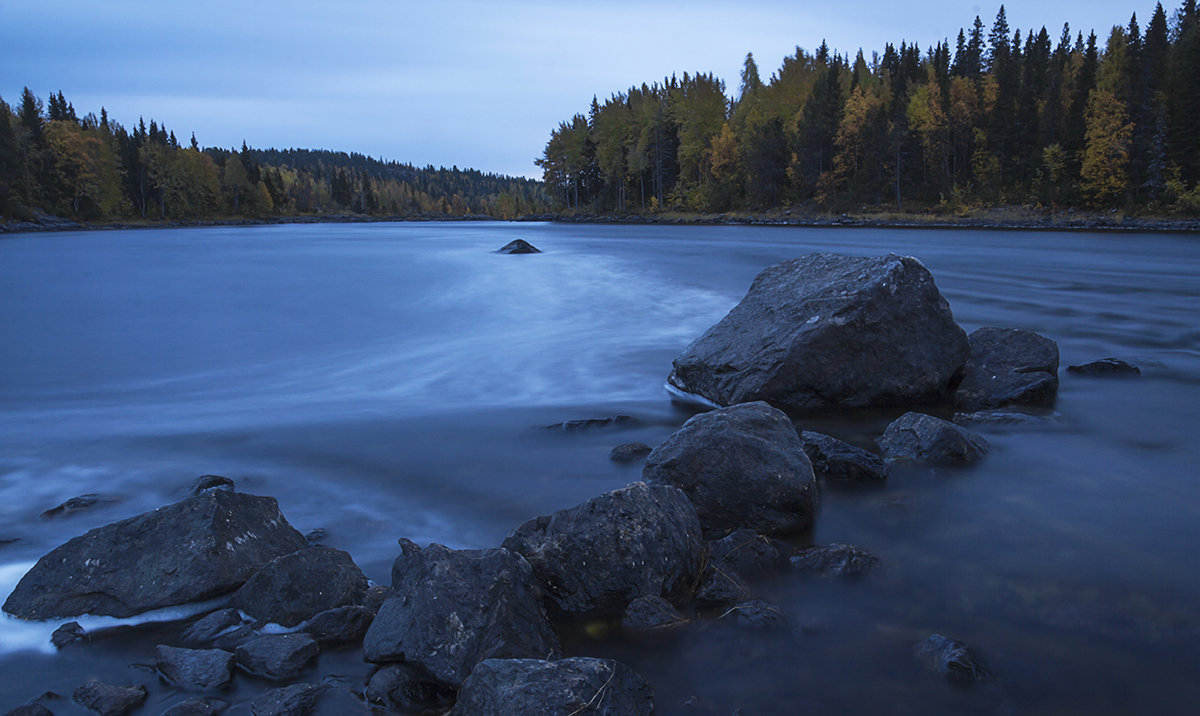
x: 518, y: 246
x: 30, y: 710
x: 952, y: 658
x: 196, y: 549
x: 451, y: 609
x: 210, y: 482
x: 294, y: 700
x: 278, y: 657
x: 108, y: 700
x: 77, y: 504
x: 721, y: 586
x: 68, y: 633
x: 515, y: 687
x: 343, y: 625
x: 926, y: 439
x: 1105, y: 368
x: 406, y: 688
x: 838, y: 461
x: 629, y: 452
x: 581, y: 424
x: 376, y: 596
x: 195, y: 669
x: 834, y: 560
x: 294, y: 587
x: 825, y: 330
x: 207, y: 628
x: 197, y: 707
x: 746, y: 552
x: 1008, y: 366
x: 755, y: 614
x: 652, y: 614
x: 741, y: 466
x: 595, y: 558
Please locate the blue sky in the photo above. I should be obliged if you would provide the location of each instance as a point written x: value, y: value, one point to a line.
x: 457, y: 82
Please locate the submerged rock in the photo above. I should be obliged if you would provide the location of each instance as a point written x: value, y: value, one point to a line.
x: 720, y: 585
x: 195, y: 669
x: 755, y: 614
x: 1008, y: 366
x: 926, y: 439
x: 741, y: 466
x: 629, y: 452
x: 210, y: 482
x: 278, y: 657
x: 838, y: 461
x: 196, y: 549
x: 834, y: 560
x: 1106, y: 368
x: 293, y: 588
x: 210, y: 627
x: 579, y: 685
x: 406, y: 688
x: 581, y: 424
x: 746, y: 551
x: 197, y: 707
x: 518, y: 246
x: 30, y: 710
x: 77, y: 504
x: 108, y: 700
x: 826, y: 330
x: 595, y: 558
x: 952, y: 658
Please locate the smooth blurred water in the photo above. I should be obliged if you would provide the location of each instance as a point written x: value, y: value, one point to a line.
x: 389, y: 380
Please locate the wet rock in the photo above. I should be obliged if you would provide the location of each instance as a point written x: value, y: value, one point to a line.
x: 755, y: 614
x: 278, y: 657
x: 195, y: 669
x: 746, y: 552
x: 30, y: 710
x: 197, y: 707
x: 211, y: 627
x: 68, y: 633
x: 518, y: 246
x: 317, y: 536
x: 210, y: 482
x: 1105, y: 368
x: 376, y: 596
x: 294, y: 700
x: 825, y: 330
x: 77, y: 504
x: 838, y: 461
x: 581, y: 424
x: 741, y: 466
x: 294, y: 587
x: 343, y: 625
x: 406, y: 688
x: 4, y: 542
x: 1008, y: 366
x: 834, y: 560
x: 952, y: 658
x: 629, y: 452
x: 196, y: 549
x: 721, y: 586
x: 451, y: 609
x: 1000, y: 417
x: 652, y: 614
x: 341, y: 701
x: 513, y: 687
x: 108, y: 700
x: 595, y: 558
x: 926, y: 439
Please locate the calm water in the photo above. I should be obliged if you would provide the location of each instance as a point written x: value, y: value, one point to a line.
x: 389, y: 380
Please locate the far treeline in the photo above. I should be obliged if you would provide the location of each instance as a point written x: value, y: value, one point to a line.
x: 92, y: 169
x: 1001, y: 118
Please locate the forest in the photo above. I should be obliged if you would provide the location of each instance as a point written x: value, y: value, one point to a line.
x: 1002, y: 117
x: 93, y: 169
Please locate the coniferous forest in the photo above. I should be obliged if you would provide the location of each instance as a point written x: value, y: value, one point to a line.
x: 998, y: 117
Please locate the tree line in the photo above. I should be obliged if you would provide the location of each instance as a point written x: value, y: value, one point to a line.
x: 1001, y: 117
x: 92, y: 168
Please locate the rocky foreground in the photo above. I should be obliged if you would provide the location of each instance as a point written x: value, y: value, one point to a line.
x: 723, y: 501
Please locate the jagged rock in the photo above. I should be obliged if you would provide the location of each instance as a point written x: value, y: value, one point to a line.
x: 317, y: 536
x: 196, y: 549
x: 652, y: 614
x: 30, y: 710
x: 746, y: 551
x: 838, y: 461
x: 406, y: 688
x: 376, y: 596
x: 518, y: 246
x: 825, y: 330
x: 211, y: 627
x: 755, y: 614
x: 741, y: 466
x: 629, y: 452
x: 278, y: 657
x: 514, y: 687
x: 595, y: 558
x: 1008, y: 366
x: 294, y: 700
x: 197, y: 707
x: 451, y: 609
x: 952, y: 658
x: 108, y: 700
x: 77, y: 504
x: 195, y: 669
x: 1105, y: 367
x: 926, y: 439
x: 68, y: 633
x: 294, y: 587
x: 342, y: 625
x: 211, y: 482
x: 721, y: 586
x: 834, y: 560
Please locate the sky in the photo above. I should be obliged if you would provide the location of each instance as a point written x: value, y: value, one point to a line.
x: 462, y: 83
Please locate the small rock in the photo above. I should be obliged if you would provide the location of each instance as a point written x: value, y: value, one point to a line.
x: 1008, y: 366
x: 755, y: 614
x: 1105, y: 368
x: 834, y: 560
x: 926, y: 439
x: 317, y: 536
x: 652, y: 614
x: 343, y: 625
x: 68, y: 633
x: 278, y: 657
x: 294, y: 700
x: 518, y: 246
x: 721, y: 586
x: 513, y: 687
x: 209, y: 627
x: 838, y: 461
x: 211, y: 482
x: 77, y: 504
x: 406, y: 688
x: 342, y: 701
x: 952, y: 658
x: 580, y: 424
x: 108, y: 700
x: 197, y: 707
x: 746, y: 551
x: 294, y: 587
x: 629, y: 452
x: 30, y: 710
x: 1000, y: 417
x: 195, y: 669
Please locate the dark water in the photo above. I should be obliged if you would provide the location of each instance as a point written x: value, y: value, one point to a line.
x: 389, y: 380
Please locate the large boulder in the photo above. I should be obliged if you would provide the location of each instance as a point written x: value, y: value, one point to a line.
x: 741, y: 466
x: 826, y: 330
x: 451, y: 609
x: 595, y: 558
x: 196, y: 549
x: 293, y: 588
x: 921, y: 438
x: 515, y: 687
x: 1008, y: 366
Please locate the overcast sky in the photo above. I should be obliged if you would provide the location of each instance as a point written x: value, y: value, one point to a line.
x: 453, y: 82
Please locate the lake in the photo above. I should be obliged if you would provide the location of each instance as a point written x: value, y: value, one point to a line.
x: 392, y: 380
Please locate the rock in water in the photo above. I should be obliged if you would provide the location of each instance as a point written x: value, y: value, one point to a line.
x: 952, y: 658
x: 933, y: 441
x: 1105, y: 367
x: 595, y: 558
x: 195, y: 549
x: 834, y: 560
x: 826, y: 330
x: 579, y: 685
x: 1008, y: 366
x: 278, y: 657
x: 294, y: 700
x: 195, y: 669
x: 406, y: 688
x: 294, y: 587
x: 652, y: 614
x: 741, y: 466
x: 840, y: 462
x: 451, y: 609
x: 108, y: 700
x: 518, y: 246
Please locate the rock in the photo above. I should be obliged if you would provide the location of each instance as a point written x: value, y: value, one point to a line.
x: 580, y: 424
x: 211, y: 482
x: 211, y: 627
x: 952, y: 658
x: 196, y: 549
x: 376, y: 596
x: 1008, y: 366
x: 406, y: 688
x: 30, y: 710
x: 926, y: 439
x: 652, y: 614
x: 451, y: 609
x: 1000, y: 417
x: 278, y: 657
x: 746, y: 552
x: 755, y: 614
x: 341, y: 701
x: 6, y: 541
x: 294, y: 700
x: 197, y: 707
x: 595, y: 558
x: 195, y: 669
x: 343, y: 625
x: 629, y: 452
x: 834, y: 560
x: 317, y: 536
x: 68, y: 633
x: 837, y: 461
x: 108, y: 700
x: 1105, y: 367
x: 721, y: 586
x: 741, y: 466
x: 518, y: 246
x: 77, y: 504
x: 294, y: 587
x: 514, y: 687
x: 825, y: 330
